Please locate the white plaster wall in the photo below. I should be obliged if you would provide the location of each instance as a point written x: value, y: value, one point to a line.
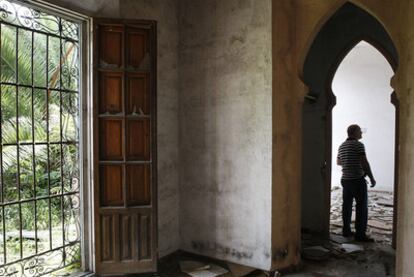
x: 363, y: 92
x: 226, y: 129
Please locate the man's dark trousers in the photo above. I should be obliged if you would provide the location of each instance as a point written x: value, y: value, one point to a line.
x: 355, y: 188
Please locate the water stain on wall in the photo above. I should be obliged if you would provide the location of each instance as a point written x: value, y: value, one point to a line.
x: 208, y: 247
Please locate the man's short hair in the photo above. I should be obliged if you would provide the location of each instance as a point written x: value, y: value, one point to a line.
x: 352, y: 129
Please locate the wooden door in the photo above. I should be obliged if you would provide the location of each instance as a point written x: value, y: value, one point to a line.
x: 125, y: 147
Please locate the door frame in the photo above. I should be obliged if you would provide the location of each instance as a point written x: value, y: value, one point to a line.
x: 149, y: 24
x: 331, y: 100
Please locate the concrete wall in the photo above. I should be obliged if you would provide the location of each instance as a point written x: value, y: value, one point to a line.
x: 225, y: 129
x: 164, y: 12
x: 363, y: 96
x: 305, y: 18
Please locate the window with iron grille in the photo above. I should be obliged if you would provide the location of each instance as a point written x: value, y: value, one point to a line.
x: 40, y: 172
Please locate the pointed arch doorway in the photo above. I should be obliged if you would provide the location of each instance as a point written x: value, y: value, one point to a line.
x: 346, y: 28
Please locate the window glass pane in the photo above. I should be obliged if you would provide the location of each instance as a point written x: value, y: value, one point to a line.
x: 26, y: 175
x: 70, y: 108
x: 55, y: 166
x: 42, y: 176
x: 70, y: 29
x: 57, y: 232
x: 28, y: 229
x: 43, y: 224
x: 54, y: 62
x: 24, y: 61
x: 8, y: 53
x: 70, y: 66
x: 25, y: 114
x: 9, y: 113
x: 39, y: 59
x: 10, y: 175
x: 54, y: 116
x: 40, y: 115
x: 12, y: 216
x: 71, y: 168
x: 72, y: 215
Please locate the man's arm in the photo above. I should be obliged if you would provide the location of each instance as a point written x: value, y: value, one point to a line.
x: 367, y: 169
x: 338, y: 161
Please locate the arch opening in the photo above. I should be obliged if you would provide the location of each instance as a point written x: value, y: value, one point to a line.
x: 361, y: 86
x: 347, y: 27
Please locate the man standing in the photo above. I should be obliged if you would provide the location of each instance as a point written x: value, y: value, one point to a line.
x: 355, y: 166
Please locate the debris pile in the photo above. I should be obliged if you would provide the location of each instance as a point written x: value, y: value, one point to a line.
x: 380, y: 214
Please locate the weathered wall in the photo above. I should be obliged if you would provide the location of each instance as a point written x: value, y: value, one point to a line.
x: 306, y: 18
x: 287, y: 102
x: 164, y: 12
x: 225, y: 129
x: 404, y: 83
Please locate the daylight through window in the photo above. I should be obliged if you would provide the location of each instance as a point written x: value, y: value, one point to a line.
x: 40, y: 173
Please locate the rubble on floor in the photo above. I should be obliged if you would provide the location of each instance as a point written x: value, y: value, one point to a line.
x: 200, y: 269
x: 351, y: 248
x: 239, y: 270
x: 316, y: 253
x: 339, y: 256
x: 380, y: 214
x: 333, y: 257
x: 344, y: 257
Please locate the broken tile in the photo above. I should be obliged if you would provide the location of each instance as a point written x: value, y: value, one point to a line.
x: 380, y: 215
x: 379, y: 224
x: 198, y: 269
x: 316, y: 253
x: 239, y: 270
x: 351, y: 248
x: 340, y: 239
x: 386, y: 202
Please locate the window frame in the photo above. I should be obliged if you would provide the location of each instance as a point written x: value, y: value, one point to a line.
x: 85, y: 125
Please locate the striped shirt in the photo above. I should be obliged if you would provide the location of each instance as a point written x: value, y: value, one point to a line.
x: 350, y: 153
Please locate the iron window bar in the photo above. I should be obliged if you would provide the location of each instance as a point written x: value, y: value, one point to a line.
x: 67, y: 249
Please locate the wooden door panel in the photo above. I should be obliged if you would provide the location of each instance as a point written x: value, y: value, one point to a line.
x: 137, y: 48
x: 125, y: 147
x: 110, y: 139
x: 126, y: 241
x: 138, y: 185
x: 107, y: 240
x: 144, y: 236
x: 110, y: 92
x: 111, y: 185
x: 111, y: 46
x: 138, y: 139
x: 137, y: 94
x: 127, y: 236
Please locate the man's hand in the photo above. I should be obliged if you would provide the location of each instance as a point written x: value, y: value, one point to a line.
x: 373, y: 182
x: 367, y: 170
